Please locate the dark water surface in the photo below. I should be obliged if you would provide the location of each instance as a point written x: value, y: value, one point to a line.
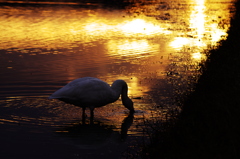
x: 155, y: 47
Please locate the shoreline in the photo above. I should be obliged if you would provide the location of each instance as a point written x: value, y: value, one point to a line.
x: 208, y: 126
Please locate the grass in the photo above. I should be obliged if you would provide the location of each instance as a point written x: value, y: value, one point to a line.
x: 209, y: 124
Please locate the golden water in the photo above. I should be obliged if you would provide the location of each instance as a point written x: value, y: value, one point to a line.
x: 156, y: 48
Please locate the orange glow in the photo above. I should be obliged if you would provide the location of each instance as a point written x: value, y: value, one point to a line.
x: 156, y: 50
x: 140, y: 26
x: 125, y: 29
x: 179, y: 42
x: 197, y: 18
x: 198, y: 56
x: 137, y: 48
x: 29, y: 2
x: 135, y: 88
x: 203, y: 29
x: 128, y: 36
x: 217, y: 33
x: 58, y: 32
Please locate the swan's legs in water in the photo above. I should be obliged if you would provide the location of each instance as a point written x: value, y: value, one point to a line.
x: 92, y: 114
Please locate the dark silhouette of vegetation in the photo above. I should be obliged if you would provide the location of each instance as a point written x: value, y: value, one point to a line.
x: 209, y: 124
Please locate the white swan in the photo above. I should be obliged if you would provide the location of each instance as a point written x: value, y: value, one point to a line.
x: 93, y: 92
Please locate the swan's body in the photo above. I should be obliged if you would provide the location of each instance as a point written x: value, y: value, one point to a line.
x: 93, y: 92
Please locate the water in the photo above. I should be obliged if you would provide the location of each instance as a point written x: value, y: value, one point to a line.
x: 155, y: 47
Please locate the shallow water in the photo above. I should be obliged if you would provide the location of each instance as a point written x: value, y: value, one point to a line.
x: 155, y: 47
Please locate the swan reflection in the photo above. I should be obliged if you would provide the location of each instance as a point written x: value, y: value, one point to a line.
x: 97, y: 133
x: 126, y: 124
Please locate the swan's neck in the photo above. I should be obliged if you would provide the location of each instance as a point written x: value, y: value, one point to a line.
x: 120, y: 88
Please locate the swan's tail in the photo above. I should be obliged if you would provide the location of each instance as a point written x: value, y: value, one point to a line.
x: 52, y: 97
x: 64, y: 92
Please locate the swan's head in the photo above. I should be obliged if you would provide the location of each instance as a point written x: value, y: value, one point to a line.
x: 128, y: 103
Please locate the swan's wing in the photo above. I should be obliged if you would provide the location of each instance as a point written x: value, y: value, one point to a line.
x: 86, y: 91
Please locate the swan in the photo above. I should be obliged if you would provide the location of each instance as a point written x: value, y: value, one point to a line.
x: 92, y: 92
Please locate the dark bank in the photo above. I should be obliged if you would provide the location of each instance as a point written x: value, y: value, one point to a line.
x: 208, y: 126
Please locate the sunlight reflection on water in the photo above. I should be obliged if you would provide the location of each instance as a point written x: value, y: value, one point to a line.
x: 50, y: 46
x: 155, y: 47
